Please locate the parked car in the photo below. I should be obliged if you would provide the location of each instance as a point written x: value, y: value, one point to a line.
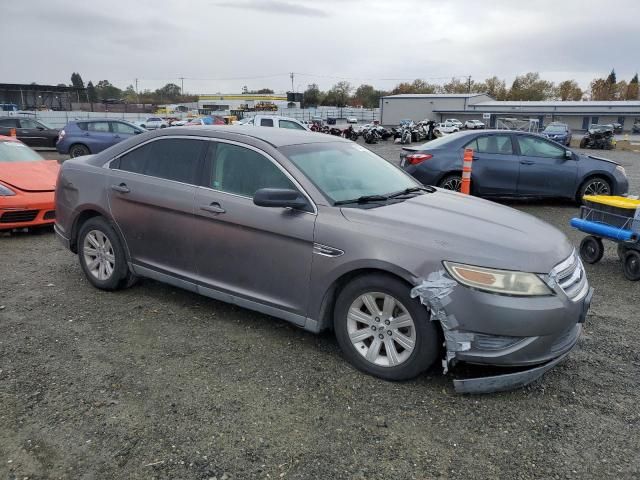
x: 321, y: 232
x: 29, y: 131
x: 277, y: 121
x: 454, y: 122
x: 208, y: 120
x: 84, y: 137
x: 27, y: 184
x: 558, y: 132
x: 444, y: 129
x: 152, y: 123
x: 617, y: 127
x: 473, y: 124
x: 514, y: 164
x: 635, y: 128
x: 352, y: 120
x: 180, y: 123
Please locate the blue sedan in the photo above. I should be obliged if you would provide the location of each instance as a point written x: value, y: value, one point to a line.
x: 514, y: 164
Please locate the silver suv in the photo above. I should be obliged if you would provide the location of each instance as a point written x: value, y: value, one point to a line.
x: 325, y: 234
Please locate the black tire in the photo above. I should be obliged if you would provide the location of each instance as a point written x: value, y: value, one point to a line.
x: 631, y: 265
x: 451, y: 182
x: 594, y: 186
x: 591, y: 249
x: 120, y: 277
x: 78, y: 150
x: 426, y: 347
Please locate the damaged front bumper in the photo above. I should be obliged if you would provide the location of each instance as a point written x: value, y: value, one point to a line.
x: 482, y: 328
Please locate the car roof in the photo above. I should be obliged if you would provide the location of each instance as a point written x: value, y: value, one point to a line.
x: 277, y: 137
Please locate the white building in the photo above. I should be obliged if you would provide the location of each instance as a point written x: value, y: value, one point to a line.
x: 578, y: 115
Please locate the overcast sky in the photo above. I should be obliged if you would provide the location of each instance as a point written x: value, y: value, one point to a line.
x: 221, y: 45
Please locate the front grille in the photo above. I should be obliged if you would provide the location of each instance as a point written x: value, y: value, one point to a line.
x: 565, y: 339
x: 19, y: 216
x: 571, y: 277
x: 50, y: 215
x: 494, y: 342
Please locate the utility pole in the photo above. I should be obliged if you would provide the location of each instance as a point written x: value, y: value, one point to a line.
x: 181, y: 85
x: 137, y: 94
x: 292, y: 75
x: 469, y: 84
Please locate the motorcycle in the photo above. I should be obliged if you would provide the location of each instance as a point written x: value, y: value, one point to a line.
x: 599, y: 137
x: 350, y: 133
x: 371, y: 135
x: 406, y: 132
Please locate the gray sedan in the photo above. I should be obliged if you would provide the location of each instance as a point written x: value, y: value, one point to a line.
x: 323, y: 233
x: 514, y: 164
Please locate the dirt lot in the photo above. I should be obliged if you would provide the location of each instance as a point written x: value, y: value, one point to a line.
x: 155, y: 382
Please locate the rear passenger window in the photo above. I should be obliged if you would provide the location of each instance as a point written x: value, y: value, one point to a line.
x: 266, y: 122
x: 9, y: 122
x: 494, y: 144
x: 82, y: 126
x: 172, y: 159
x: 100, y: 127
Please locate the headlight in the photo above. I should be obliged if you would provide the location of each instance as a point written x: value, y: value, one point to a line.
x: 498, y: 281
x: 621, y: 169
x: 6, y: 191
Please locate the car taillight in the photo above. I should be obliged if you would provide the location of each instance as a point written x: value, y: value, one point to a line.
x: 61, y: 134
x: 417, y: 158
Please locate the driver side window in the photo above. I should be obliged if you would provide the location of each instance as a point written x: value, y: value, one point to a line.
x: 537, y: 147
x: 243, y: 171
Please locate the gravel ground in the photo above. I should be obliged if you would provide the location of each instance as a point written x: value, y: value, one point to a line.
x: 156, y: 382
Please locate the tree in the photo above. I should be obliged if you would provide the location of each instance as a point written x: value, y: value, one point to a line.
x: 130, y: 95
x: 612, y: 77
x: 312, y: 96
x: 417, y: 86
x: 495, y: 88
x: 92, y: 95
x: 169, y: 93
x: 339, y: 94
x: 262, y: 91
x: 459, y: 86
x: 569, y: 90
x: 367, y: 96
x: 600, y: 89
x: 76, y: 80
x: 104, y: 90
x: 632, y: 89
x: 530, y: 87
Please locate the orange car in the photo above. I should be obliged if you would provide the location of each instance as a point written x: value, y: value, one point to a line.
x: 27, y: 185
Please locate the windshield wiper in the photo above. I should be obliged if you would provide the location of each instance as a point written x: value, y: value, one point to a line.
x: 364, y: 199
x: 407, y: 191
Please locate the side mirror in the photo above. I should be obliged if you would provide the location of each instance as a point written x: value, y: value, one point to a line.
x: 279, y: 197
x: 40, y: 128
x: 137, y: 132
x: 568, y: 155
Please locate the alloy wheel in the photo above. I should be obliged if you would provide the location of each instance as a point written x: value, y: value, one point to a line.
x: 381, y: 329
x: 453, y: 183
x: 99, y: 256
x: 597, y: 187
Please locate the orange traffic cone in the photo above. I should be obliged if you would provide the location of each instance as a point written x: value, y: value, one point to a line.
x: 466, y: 171
x: 12, y: 132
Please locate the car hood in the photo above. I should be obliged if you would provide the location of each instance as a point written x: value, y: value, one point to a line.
x: 602, y: 159
x: 30, y: 176
x: 555, y: 134
x: 469, y: 230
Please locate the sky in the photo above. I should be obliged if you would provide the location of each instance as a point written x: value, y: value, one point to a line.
x: 223, y: 45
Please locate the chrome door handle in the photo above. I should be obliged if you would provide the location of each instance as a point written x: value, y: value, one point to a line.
x: 122, y: 188
x: 213, y: 208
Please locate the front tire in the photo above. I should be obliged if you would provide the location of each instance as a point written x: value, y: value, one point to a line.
x: 594, y: 186
x: 382, y: 331
x: 631, y: 265
x: 102, y: 256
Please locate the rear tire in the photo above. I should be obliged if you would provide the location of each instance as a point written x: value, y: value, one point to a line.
x: 370, y: 340
x: 102, y: 256
x: 631, y: 265
x: 591, y: 249
x: 451, y: 182
x: 622, y: 251
x: 78, y: 150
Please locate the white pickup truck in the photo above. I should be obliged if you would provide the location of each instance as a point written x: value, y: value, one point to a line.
x: 275, y: 121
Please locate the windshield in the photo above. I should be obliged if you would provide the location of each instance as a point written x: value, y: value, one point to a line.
x: 12, y: 151
x: 45, y: 125
x: 345, y: 171
x: 555, y: 129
